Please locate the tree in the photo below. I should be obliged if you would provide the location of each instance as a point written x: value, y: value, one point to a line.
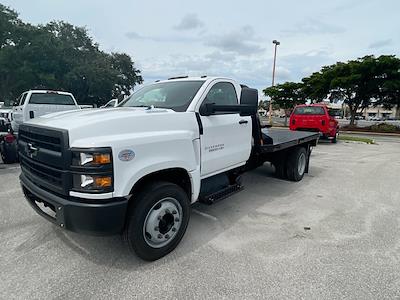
x: 60, y: 56
x: 388, y: 93
x: 316, y: 87
x: 286, y: 95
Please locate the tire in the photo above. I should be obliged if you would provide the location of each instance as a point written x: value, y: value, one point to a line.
x: 334, y: 140
x: 296, y: 164
x: 9, y: 153
x: 157, y: 220
x: 280, y: 169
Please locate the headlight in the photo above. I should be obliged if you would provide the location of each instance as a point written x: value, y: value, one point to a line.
x: 92, y: 170
x: 93, y: 182
x: 92, y: 158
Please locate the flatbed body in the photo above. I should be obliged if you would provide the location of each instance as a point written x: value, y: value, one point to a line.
x: 284, y: 139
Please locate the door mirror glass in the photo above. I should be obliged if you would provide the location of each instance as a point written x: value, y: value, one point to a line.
x: 207, y: 109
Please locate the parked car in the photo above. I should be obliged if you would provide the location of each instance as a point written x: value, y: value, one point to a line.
x: 8, y: 143
x: 111, y: 103
x: 6, y: 114
x: 36, y: 103
x: 315, y: 117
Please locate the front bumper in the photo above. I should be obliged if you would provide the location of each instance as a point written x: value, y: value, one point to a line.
x: 104, y: 217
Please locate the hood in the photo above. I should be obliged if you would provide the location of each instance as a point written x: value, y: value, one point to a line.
x: 97, y: 126
x: 73, y: 119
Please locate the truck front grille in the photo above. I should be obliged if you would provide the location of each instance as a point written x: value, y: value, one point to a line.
x: 43, y: 141
x: 44, y: 157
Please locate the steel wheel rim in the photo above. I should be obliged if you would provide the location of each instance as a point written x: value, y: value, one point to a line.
x: 301, y: 166
x: 162, y: 222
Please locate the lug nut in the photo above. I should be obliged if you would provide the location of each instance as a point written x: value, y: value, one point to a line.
x: 59, y: 208
x: 159, y: 236
x: 176, y: 219
x: 62, y: 225
x: 159, y: 217
x: 173, y: 229
x: 174, y: 212
x: 167, y: 236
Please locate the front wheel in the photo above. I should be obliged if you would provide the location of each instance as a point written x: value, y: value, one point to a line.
x: 157, y: 220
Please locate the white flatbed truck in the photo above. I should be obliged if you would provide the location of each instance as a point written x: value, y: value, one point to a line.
x: 137, y: 168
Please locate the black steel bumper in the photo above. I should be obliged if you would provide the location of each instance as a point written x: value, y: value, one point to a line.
x: 86, y: 216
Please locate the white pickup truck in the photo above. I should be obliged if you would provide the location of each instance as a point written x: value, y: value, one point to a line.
x: 36, y: 103
x: 137, y: 168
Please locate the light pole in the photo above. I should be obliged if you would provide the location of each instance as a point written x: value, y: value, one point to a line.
x: 276, y: 43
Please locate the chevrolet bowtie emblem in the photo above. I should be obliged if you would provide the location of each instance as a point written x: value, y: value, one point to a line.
x: 32, y: 150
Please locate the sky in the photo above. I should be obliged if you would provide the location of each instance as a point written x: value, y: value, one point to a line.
x: 229, y: 38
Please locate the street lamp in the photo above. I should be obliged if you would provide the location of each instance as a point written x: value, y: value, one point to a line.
x: 276, y: 43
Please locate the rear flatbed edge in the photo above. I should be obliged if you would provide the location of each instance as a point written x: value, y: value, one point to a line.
x: 283, y: 139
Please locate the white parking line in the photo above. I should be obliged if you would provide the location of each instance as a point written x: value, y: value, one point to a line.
x: 205, y: 215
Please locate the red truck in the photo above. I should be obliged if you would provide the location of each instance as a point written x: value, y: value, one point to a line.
x: 315, y: 117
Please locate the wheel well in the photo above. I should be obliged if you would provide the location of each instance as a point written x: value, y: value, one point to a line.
x: 178, y: 176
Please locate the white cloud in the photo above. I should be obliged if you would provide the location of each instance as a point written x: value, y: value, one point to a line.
x: 241, y: 41
x: 189, y: 22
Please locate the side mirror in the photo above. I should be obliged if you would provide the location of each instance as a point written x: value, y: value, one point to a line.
x: 247, y: 110
x: 207, y: 109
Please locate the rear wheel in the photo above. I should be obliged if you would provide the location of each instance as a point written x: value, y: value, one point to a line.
x: 157, y: 220
x: 280, y: 169
x: 296, y: 164
x: 334, y: 140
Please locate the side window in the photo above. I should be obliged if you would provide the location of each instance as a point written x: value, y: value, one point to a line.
x: 23, y: 98
x: 222, y: 93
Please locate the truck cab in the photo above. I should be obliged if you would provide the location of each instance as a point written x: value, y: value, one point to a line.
x: 36, y: 103
x: 136, y: 169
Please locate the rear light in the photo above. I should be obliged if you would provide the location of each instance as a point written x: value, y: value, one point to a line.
x: 332, y: 123
x: 9, y: 138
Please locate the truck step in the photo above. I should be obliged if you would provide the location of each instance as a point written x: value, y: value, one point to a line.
x: 221, y: 194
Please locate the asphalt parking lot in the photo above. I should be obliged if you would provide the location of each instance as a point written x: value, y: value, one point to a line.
x: 334, y: 235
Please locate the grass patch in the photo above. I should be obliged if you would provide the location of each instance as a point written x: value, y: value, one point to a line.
x: 356, y: 139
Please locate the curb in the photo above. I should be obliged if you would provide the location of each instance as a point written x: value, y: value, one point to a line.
x: 371, y: 133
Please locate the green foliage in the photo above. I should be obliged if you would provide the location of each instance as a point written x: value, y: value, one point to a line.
x: 384, y: 127
x: 286, y: 95
x: 60, y: 56
x: 358, y: 82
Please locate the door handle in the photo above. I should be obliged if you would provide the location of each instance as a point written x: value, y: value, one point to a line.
x: 243, y: 122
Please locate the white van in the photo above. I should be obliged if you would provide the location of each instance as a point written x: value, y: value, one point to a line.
x: 36, y: 103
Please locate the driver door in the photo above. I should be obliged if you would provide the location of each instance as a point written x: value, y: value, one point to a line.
x: 226, y: 139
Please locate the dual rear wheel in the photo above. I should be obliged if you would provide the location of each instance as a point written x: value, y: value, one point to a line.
x: 293, y: 166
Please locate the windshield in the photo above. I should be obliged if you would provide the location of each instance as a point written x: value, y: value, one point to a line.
x: 333, y: 112
x: 51, y: 98
x: 175, y: 95
x: 309, y: 110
